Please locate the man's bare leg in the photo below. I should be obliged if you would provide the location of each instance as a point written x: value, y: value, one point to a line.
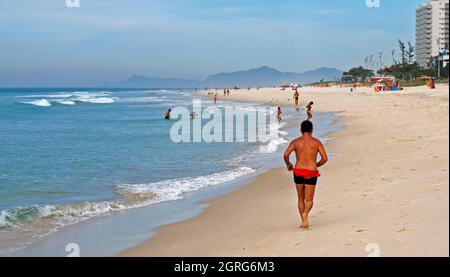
x: 301, y: 202
x: 309, y: 203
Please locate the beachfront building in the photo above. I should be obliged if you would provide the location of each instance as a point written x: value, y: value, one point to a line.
x: 432, y: 34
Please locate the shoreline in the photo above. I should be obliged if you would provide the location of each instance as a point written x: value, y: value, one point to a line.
x: 166, y: 233
x: 385, y: 183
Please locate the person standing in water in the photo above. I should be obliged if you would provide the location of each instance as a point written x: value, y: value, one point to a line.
x: 215, y: 98
x: 167, y: 115
x: 278, y: 114
x: 309, y: 110
x: 306, y: 173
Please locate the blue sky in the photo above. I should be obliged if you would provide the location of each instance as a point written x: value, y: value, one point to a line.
x: 44, y: 43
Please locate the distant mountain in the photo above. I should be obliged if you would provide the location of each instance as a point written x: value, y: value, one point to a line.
x: 325, y: 73
x: 266, y: 76
x: 263, y: 76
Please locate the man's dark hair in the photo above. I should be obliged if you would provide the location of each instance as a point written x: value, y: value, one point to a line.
x: 307, y: 127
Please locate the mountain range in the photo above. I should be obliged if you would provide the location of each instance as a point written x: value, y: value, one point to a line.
x: 263, y: 76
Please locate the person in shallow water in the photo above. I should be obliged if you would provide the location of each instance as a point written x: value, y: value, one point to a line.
x: 306, y: 173
x: 309, y: 110
x: 167, y: 115
x: 278, y: 114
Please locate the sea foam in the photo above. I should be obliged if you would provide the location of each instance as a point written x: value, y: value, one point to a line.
x: 39, y: 103
x: 276, y: 139
x: 131, y: 196
x: 65, y: 102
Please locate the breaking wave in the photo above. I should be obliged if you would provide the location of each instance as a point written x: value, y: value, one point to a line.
x: 39, y: 103
x: 130, y: 196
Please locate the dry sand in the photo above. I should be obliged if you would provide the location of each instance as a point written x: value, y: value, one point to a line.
x: 387, y: 189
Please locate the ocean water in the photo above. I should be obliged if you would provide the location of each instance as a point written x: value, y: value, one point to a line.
x: 69, y: 156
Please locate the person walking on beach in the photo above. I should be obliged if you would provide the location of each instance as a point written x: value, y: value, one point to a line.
x: 306, y: 173
x: 215, y: 98
x: 309, y: 110
x: 296, y: 97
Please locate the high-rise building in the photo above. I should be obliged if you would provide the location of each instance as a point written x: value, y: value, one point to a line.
x: 432, y: 34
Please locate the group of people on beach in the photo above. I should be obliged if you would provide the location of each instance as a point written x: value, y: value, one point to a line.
x: 296, y: 99
x: 215, y: 95
x: 308, y: 107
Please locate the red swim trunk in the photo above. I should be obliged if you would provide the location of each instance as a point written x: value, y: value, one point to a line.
x: 306, y: 177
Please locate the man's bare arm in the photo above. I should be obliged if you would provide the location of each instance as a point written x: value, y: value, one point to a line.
x: 288, y: 152
x: 323, y: 156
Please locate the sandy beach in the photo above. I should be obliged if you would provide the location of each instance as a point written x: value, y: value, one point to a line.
x: 387, y: 190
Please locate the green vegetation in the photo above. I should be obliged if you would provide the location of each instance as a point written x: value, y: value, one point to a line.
x: 404, y: 69
x: 356, y: 74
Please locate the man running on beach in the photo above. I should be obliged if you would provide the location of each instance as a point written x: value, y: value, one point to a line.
x: 306, y: 172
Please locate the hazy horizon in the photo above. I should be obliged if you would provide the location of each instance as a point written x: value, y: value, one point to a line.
x: 46, y: 44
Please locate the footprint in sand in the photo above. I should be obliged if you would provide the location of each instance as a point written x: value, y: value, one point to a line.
x: 404, y: 216
x: 358, y: 229
x: 404, y: 229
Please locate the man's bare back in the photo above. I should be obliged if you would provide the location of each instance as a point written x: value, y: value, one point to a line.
x: 306, y: 149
